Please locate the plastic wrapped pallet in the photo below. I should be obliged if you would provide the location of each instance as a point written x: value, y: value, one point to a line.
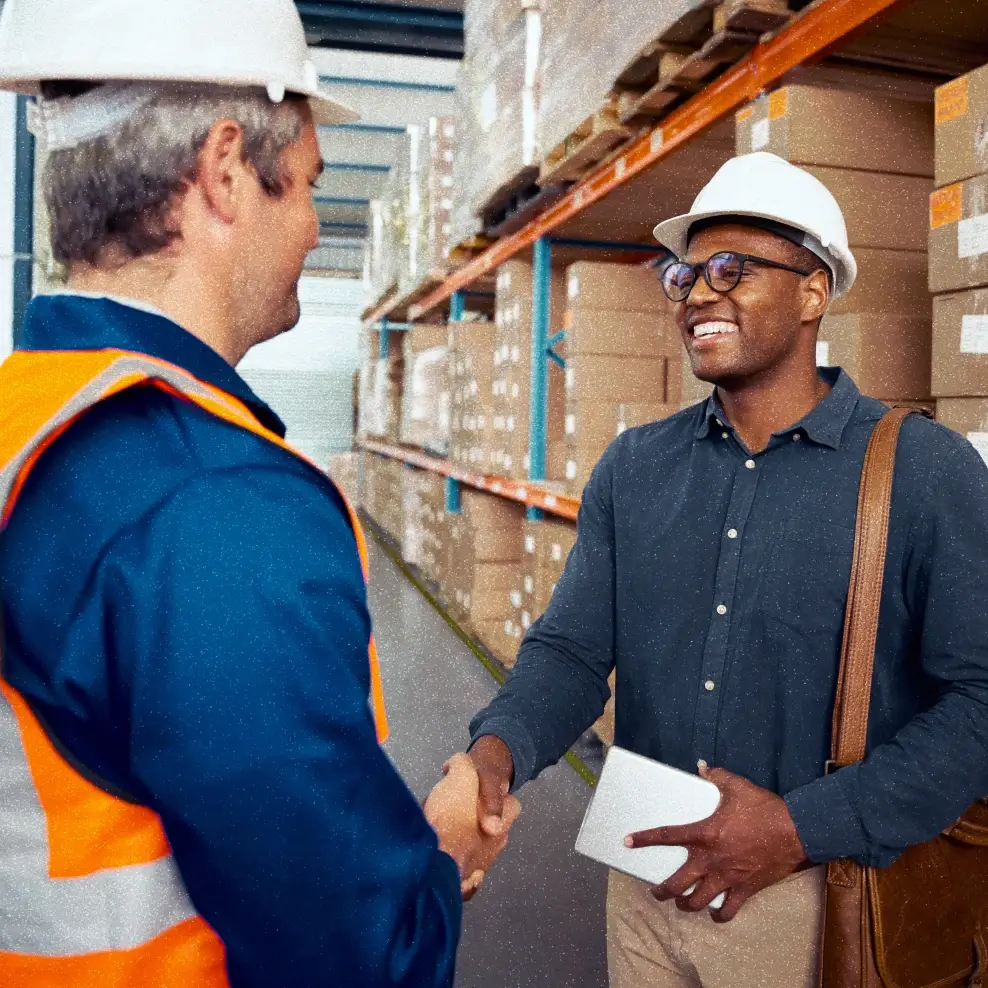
x: 438, y: 204
x: 497, y: 104
x: 425, y: 418
x: 617, y: 32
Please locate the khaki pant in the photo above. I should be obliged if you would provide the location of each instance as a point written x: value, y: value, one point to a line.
x: 773, y: 942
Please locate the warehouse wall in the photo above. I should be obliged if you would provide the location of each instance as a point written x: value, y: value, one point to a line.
x: 307, y: 374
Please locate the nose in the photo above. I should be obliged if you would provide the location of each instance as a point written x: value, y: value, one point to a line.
x: 701, y: 293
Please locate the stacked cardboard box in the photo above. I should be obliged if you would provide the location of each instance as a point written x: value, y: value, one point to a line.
x: 344, y: 469
x: 623, y: 359
x: 483, y: 558
x: 959, y: 257
x: 423, y: 496
x: 425, y: 417
x: 512, y: 365
x: 472, y: 387
x: 384, y: 494
x: 875, y: 154
x: 380, y: 389
x: 439, y: 199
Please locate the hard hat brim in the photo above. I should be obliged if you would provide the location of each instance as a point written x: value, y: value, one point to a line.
x: 673, y: 234
x: 327, y: 111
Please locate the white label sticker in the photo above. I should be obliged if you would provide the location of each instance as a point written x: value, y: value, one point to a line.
x: 515, y: 354
x: 515, y: 598
x: 574, y: 286
x: 760, y: 135
x: 979, y: 440
x: 570, y: 425
x: 550, y: 500
x: 510, y: 423
x: 972, y: 237
x: 507, y: 627
x: 571, y: 470
x: 974, y: 334
x: 822, y: 354
x: 529, y: 585
x: 514, y: 390
x: 557, y: 552
x: 569, y: 377
x: 526, y: 620
x: 530, y: 544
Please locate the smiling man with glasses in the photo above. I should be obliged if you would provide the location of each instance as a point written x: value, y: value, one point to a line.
x: 711, y: 571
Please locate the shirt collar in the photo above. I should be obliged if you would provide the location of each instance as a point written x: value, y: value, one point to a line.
x: 83, y: 321
x: 823, y: 424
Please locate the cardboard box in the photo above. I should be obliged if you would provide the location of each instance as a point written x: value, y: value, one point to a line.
x: 959, y: 236
x: 616, y: 379
x: 961, y: 122
x: 960, y: 344
x: 839, y: 129
x: 611, y: 332
x: 969, y: 417
x: 880, y: 210
x: 621, y: 287
x: 887, y: 356
x: 889, y: 281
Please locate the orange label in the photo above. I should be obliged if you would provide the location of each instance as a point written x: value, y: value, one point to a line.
x: 951, y: 100
x: 946, y: 206
x: 746, y: 114
x: 778, y: 104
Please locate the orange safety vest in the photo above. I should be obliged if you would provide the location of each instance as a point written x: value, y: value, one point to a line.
x: 90, y: 896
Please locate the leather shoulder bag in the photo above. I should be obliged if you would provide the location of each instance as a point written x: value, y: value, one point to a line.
x: 923, y: 922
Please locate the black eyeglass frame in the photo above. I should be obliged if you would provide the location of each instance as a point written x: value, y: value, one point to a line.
x: 704, y: 267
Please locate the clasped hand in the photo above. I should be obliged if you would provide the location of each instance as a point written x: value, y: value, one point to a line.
x: 451, y: 809
x: 749, y: 843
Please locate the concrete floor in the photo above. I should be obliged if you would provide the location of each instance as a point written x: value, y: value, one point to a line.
x: 539, y: 920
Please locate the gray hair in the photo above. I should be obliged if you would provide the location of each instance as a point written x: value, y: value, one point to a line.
x: 116, y: 192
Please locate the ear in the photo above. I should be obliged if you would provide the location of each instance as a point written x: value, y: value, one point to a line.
x: 222, y: 175
x: 816, y: 296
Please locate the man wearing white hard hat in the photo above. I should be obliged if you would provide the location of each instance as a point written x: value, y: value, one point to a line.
x: 712, y: 570
x: 192, y: 789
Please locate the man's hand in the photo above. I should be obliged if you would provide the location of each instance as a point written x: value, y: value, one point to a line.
x: 496, y: 770
x: 451, y: 809
x: 749, y: 843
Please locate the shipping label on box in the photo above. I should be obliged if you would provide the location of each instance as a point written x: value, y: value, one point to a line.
x: 961, y: 114
x: 959, y: 236
x: 974, y: 334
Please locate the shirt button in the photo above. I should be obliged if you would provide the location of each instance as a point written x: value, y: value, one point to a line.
x: 732, y: 533
x: 796, y: 437
x: 750, y: 464
x: 723, y: 435
x: 721, y: 609
x: 709, y: 686
x: 701, y: 764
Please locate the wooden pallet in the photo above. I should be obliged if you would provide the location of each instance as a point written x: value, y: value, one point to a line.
x: 595, y: 140
x: 670, y: 72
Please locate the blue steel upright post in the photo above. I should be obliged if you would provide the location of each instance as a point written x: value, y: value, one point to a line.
x: 383, y: 339
x: 538, y: 408
x: 454, y: 500
x: 23, y: 273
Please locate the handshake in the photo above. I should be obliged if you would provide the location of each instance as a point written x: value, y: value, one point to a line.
x: 471, y: 811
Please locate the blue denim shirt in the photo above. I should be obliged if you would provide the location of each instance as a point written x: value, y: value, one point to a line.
x: 716, y: 582
x: 185, y: 610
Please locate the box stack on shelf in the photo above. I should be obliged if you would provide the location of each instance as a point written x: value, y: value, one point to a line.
x: 344, y: 469
x: 483, y: 559
x: 959, y: 258
x: 426, y: 397
x: 472, y: 385
x: 439, y: 200
x: 424, y: 526
x: 623, y: 359
x: 875, y: 154
x: 384, y: 498
x: 513, y: 375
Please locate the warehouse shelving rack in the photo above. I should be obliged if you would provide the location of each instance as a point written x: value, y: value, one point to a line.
x: 820, y: 29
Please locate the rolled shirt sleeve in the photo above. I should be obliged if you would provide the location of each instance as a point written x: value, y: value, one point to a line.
x: 239, y: 627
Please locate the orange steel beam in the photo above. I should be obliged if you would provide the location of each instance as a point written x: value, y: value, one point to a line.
x: 532, y: 495
x: 818, y: 30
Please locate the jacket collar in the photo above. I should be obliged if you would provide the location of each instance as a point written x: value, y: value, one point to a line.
x: 77, y: 321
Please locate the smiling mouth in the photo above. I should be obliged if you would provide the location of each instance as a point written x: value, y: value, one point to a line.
x: 713, y: 329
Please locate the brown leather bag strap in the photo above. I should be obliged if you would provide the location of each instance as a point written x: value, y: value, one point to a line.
x: 850, y: 730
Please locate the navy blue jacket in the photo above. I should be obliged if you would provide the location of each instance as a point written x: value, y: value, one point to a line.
x: 716, y: 581
x: 184, y: 608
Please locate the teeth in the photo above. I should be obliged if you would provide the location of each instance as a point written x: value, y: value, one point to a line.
x: 713, y: 328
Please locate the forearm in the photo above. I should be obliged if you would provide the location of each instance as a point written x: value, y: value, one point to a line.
x: 905, y: 792
x: 549, y: 700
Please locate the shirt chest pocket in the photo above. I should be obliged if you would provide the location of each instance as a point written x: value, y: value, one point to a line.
x: 806, y: 577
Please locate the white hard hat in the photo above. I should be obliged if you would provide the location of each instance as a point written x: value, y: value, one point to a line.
x: 227, y: 42
x: 763, y: 186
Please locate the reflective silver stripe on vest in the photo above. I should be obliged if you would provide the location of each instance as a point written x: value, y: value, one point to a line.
x: 113, y: 909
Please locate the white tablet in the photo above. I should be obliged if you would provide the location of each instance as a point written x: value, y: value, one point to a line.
x: 636, y: 793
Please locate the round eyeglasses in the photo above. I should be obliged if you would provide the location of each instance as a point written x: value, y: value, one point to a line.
x: 722, y: 272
